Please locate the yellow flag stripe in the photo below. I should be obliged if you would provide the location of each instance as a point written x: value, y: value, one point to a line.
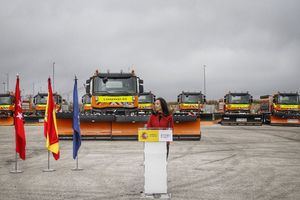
x: 54, y: 148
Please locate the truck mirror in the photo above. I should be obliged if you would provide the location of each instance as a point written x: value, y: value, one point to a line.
x: 141, y: 88
x: 87, y: 87
x: 104, y: 80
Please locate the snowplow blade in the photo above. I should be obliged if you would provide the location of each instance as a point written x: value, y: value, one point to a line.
x: 7, y: 121
x: 90, y: 125
x: 87, y: 128
x: 101, y: 126
x: 122, y: 127
x: 126, y: 127
x: 241, y: 119
x: 186, y: 128
x: 126, y: 130
x: 275, y: 120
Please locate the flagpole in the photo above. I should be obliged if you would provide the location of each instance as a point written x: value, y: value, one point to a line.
x: 16, y: 163
x: 77, y: 168
x: 48, y: 169
x: 48, y: 159
x: 16, y: 170
x: 77, y: 162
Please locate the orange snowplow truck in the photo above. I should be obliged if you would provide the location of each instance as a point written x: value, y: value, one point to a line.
x: 115, y: 109
x: 27, y: 106
x: 6, y: 109
x: 146, y: 102
x: 86, y: 103
x: 191, y: 102
x: 281, y: 108
x: 237, y: 110
x: 40, y: 102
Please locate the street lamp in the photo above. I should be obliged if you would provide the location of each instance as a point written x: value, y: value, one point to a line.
x: 204, y: 66
x: 3, y: 87
x: 33, y: 89
x: 7, y: 79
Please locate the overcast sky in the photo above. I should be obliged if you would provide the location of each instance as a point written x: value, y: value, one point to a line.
x: 246, y: 45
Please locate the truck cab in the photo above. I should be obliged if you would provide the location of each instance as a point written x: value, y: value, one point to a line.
x: 237, y: 102
x: 40, y: 103
x: 114, y: 93
x: 191, y: 102
x: 146, y: 102
x: 6, y: 105
x: 281, y: 108
x: 86, y: 103
x: 237, y: 110
x: 286, y: 102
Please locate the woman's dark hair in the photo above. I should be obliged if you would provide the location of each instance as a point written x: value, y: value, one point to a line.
x: 164, y: 106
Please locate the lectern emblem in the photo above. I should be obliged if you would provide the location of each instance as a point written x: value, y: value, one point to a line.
x: 144, y: 136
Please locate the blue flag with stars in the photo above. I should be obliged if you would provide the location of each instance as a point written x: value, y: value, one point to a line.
x: 76, y: 122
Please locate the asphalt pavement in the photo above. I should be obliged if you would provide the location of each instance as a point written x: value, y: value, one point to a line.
x: 239, y: 162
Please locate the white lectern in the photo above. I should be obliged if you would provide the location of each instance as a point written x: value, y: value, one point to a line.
x: 155, y: 161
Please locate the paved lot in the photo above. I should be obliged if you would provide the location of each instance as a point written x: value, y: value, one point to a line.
x: 228, y: 163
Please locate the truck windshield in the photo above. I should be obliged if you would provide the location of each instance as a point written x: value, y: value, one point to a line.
x: 5, y: 101
x: 86, y: 99
x: 191, y: 99
x: 115, y: 85
x: 288, y: 99
x: 239, y: 99
x: 43, y: 99
x: 146, y: 99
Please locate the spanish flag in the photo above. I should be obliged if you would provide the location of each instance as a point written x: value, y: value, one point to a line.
x: 50, y: 127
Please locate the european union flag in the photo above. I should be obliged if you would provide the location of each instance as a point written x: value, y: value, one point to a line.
x: 76, y: 122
